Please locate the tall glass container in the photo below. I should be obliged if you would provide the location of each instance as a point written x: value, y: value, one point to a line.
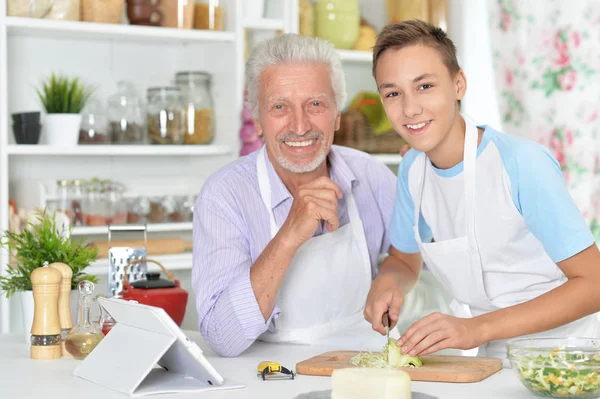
x: 166, y: 115
x: 199, y: 108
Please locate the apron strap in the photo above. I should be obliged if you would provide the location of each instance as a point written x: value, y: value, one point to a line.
x: 470, y: 179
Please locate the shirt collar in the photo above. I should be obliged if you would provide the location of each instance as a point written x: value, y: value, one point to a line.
x: 340, y: 173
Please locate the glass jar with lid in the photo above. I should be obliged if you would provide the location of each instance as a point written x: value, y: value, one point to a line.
x: 76, y: 196
x: 199, y: 114
x: 165, y: 113
x: 126, y: 115
x: 208, y: 14
x: 139, y: 208
x: 94, y: 207
x: 116, y: 207
x: 94, y: 124
x: 62, y: 197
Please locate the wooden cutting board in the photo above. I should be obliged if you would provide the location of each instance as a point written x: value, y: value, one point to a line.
x: 437, y: 368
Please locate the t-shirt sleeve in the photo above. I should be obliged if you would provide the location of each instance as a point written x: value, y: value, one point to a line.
x: 402, y: 234
x: 543, y: 198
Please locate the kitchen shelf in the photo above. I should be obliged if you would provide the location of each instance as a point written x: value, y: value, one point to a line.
x: 34, y: 27
x: 356, y: 56
x: 119, y: 150
x: 171, y: 262
x: 388, y: 159
x: 150, y: 228
x: 264, y: 24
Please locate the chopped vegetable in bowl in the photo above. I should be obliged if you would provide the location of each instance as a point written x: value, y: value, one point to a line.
x: 390, y: 357
x: 558, y: 368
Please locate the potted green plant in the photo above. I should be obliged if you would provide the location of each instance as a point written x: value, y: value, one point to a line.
x: 43, y: 240
x: 63, y: 99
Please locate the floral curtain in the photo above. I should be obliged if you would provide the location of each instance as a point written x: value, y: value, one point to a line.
x: 546, y: 56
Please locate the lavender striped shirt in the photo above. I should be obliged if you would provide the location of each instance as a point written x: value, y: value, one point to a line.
x: 231, y: 229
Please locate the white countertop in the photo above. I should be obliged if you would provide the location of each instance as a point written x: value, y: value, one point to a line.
x: 22, y: 377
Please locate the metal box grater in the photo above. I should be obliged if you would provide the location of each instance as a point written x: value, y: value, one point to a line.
x: 119, y: 257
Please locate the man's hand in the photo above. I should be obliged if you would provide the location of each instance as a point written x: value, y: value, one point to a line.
x: 439, y: 331
x: 385, y: 294
x: 315, y: 202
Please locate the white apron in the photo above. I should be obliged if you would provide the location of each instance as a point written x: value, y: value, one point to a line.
x: 456, y: 263
x: 325, y: 288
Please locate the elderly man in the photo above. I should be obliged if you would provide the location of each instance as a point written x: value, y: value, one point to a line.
x: 287, y: 239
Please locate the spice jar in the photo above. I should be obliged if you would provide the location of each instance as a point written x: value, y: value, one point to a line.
x: 94, y: 207
x: 76, y: 196
x: 138, y: 210
x: 186, y: 207
x: 208, y: 14
x: 199, y: 116
x: 116, y: 208
x: 94, y: 125
x: 126, y: 115
x: 62, y: 195
x: 171, y: 210
x: 165, y: 115
x: 157, y: 212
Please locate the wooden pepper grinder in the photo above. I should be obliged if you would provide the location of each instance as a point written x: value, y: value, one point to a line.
x: 45, y: 330
x: 64, y: 310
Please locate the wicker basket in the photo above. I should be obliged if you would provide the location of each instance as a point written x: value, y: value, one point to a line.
x: 356, y: 132
x: 106, y: 11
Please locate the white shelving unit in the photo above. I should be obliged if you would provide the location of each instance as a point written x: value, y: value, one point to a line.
x: 36, y: 28
x: 103, y: 54
x: 264, y: 24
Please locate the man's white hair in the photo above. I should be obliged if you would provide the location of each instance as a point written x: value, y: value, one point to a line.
x: 294, y: 49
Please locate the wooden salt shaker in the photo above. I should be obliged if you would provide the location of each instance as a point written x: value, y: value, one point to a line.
x: 45, y: 330
x: 64, y: 309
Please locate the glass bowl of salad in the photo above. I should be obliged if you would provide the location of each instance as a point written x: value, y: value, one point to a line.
x: 557, y: 367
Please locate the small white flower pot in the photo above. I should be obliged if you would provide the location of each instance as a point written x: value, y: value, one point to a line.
x: 62, y: 130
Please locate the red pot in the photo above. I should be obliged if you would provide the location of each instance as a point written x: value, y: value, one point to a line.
x: 154, y: 291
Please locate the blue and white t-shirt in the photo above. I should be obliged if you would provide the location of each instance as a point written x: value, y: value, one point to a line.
x: 513, y: 169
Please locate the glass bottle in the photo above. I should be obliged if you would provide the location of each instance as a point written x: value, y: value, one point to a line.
x: 199, y: 116
x: 106, y: 321
x: 165, y: 115
x: 86, y: 335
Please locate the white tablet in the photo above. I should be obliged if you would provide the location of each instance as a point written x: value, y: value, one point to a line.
x: 183, y: 356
